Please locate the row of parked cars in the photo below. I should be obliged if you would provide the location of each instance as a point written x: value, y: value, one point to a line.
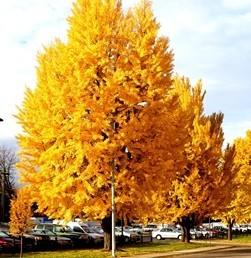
x: 78, y: 234
x: 195, y: 233
x: 242, y: 228
x: 201, y: 232
x: 175, y: 232
x: 49, y: 236
x: 74, y: 234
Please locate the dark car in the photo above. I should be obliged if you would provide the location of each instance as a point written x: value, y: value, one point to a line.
x: 77, y: 238
x: 8, y: 243
x: 47, y: 239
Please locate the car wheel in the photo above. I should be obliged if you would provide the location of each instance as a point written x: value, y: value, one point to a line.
x: 127, y: 239
x: 180, y: 237
x: 159, y: 237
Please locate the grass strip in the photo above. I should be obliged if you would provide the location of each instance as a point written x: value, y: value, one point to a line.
x: 126, y: 251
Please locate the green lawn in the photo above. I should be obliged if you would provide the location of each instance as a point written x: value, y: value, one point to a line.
x: 236, y: 240
x: 242, y: 239
x: 123, y: 252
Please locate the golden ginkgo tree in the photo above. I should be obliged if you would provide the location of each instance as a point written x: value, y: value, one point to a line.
x: 201, y: 187
x: 239, y: 209
x: 20, y: 215
x: 102, y: 103
x: 242, y: 202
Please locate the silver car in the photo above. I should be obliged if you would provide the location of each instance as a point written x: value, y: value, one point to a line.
x: 167, y: 233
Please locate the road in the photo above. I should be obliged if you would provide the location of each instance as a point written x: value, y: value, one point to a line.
x: 229, y: 252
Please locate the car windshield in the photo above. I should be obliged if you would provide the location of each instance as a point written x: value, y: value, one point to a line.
x: 137, y: 226
x: 151, y: 226
x: 59, y: 228
x: 67, y: 229
x: 2, y: 234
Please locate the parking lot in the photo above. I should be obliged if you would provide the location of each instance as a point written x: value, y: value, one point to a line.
x: 49, y: 236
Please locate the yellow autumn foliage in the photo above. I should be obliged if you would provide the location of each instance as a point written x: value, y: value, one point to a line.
x: 20, y: 213
x: 103, y: 96
x: 201, y: 187
x: 239, y: 210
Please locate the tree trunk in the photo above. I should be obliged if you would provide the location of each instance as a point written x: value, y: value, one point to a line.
x: 230, y: 231
x: 107, y: 227
x: 21, y: 247
x: 185, y: 224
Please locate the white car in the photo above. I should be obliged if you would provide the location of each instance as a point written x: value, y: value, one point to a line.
x: 244, y: 228
x: 195, y: 233
x: 167, y: 233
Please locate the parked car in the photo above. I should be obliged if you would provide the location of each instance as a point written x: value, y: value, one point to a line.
x: 167, y: 233
x: 47, y: 238
x: 220, y: 231
x: 128, y: 236
x: 209, y: 233
x: 77, y: 238
x: 244, y: 228
x: 8, y: 243
x: 195, y: 233
x: 236, y: 228
x: 5, y: 245
x: 132, y: 229
x: 150, y: 227
x: 92, y: 233
x: 137, y: 228
x: 98, y: 229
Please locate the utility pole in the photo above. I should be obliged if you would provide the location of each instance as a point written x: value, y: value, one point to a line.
x: 2, y: 196
x: 3, y: 190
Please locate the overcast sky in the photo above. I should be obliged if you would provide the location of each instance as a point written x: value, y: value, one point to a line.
x: 211, y: 41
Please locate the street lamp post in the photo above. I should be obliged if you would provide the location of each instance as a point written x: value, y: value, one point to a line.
x: 142, y: 104
x: 113, y: 212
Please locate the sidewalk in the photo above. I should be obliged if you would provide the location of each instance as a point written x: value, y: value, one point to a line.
x: 171, y: 253
x: 217, y: 245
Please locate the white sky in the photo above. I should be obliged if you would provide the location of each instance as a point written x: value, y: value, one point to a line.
x: 211, y: 41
